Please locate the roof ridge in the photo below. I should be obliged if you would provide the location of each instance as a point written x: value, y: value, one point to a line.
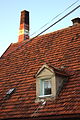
x: 15, y: 49
x: 6, y: 50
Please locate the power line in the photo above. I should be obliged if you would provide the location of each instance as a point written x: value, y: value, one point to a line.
x: 55, y: 17
x: 57, y: 21
x: 47, y: 28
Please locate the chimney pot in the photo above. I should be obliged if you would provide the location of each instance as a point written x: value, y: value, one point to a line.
x: 76, y: 21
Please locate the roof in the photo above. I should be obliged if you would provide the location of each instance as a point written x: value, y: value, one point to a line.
x: 20, y: 63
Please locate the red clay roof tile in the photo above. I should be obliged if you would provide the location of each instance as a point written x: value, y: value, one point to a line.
x: 20, y: 63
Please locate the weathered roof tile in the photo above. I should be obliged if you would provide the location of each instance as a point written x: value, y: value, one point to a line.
x: 20, y: 63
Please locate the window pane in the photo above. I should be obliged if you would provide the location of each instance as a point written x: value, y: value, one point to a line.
x: 47, y: 87
x: 47, y: 84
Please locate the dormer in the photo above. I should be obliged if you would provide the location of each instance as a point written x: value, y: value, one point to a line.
x: 49, y: 82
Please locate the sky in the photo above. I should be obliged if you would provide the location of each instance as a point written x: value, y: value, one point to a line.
x: 41, y: 12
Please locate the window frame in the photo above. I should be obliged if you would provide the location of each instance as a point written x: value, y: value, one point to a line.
x: 41, y: 94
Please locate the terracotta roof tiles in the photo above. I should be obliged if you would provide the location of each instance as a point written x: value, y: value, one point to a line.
x: 20, y: 63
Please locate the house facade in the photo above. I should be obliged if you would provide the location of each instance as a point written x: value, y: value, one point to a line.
x: 40, y: 77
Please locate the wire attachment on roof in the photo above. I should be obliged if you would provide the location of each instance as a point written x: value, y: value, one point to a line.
x: 43, y: 102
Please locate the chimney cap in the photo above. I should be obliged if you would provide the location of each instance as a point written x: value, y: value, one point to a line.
x: 24, y: 11
x: 24, y: 17
x: 76, y: 21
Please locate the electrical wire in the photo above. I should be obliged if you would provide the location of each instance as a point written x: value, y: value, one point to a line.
x: 46, y: 29
x: 57, y: 21
x: 41, y: 105
x: 54, y: 17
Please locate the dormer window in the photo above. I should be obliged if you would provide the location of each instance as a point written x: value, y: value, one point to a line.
x: 49, y: 82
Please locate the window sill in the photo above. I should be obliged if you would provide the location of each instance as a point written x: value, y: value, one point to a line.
x: 43, y: 96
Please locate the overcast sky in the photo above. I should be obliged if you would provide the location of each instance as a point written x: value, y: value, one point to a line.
x: 41, y: 12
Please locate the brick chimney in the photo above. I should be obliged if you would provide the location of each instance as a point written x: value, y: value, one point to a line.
x: 24, y: 26
x: 76, y: 21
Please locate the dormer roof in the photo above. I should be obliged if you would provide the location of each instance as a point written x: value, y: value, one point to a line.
x: 51, y: 69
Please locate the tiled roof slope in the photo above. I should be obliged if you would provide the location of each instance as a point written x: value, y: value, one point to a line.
x: 17, y: 70
x: 12, y: 47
